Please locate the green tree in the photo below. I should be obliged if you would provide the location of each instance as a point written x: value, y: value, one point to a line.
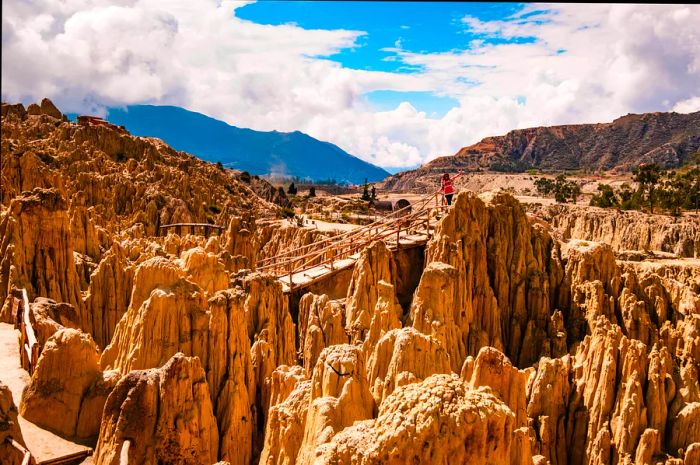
x: 365, y: 191
x: 605, y: 198
x: 680, y: 191
x: 220, y: 165
x: 574, y: 191
x: 692, y: 189
x: 292, y: 189
x: 373, y: 195
x: 312, y: 191
x: 629, y: 199
x: 647, y: 176
x: 562, y: 189
x: 544, y: 186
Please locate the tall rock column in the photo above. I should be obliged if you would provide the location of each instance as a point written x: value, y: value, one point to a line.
x: 364, y: 293
x: 167, y: 314
x: 166, y: 415
x: 339, y: 397
x: 495, y: 275
x: 37, y: 250
x: 108, y: 295
x: 230, y: 376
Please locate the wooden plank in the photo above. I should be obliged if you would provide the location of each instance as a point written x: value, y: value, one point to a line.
x: 27, y: 456
x: 31, y: 345
x: 124, y: 453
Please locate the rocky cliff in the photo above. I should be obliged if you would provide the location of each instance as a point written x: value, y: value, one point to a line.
x: 624, y: 230
x: 669, y: 139
x: 9, y: 428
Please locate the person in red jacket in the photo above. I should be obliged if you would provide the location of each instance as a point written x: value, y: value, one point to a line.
x: 446, y: 187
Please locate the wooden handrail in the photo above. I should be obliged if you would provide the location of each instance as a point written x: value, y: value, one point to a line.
x: 29, y: 347
x: 293, y: 255
x: 384, y: 220
x: 348, y: 246
x: 206, y: 225
x: 75, y: 457
x: 27, y: 456
x: 124, y: 453
x: 351, y: 243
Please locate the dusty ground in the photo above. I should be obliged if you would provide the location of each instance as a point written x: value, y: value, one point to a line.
x: 43, y: 444
x: 523, y: 184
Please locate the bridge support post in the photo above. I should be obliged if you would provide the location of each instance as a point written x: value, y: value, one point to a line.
x: 427, y: 222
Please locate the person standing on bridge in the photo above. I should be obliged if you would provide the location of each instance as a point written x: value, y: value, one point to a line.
x: 447, y: 188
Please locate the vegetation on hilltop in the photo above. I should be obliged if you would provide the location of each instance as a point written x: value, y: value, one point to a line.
x: 672, y: 191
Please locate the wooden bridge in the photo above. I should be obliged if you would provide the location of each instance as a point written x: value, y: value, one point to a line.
x: 407, y: 227
x: 182, y: 228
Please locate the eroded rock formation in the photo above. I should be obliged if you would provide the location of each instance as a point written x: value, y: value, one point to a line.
x: 510, y: 346
x: 37, y: 249
x: 490, y: 280
x: 624, y: 230
x: 108, y: 295
x: 165, y: 414
x: 68, y: 390
x: 9, y: 428
x: 457, y: 425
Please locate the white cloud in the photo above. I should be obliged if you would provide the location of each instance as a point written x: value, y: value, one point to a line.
x: 690, y: 105
x: 199, y: 55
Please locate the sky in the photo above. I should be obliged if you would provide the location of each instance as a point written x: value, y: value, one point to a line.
x: 396, y: 84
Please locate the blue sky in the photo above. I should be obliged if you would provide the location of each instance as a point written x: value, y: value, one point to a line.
x: 396, y: 84
x: 420, y: 27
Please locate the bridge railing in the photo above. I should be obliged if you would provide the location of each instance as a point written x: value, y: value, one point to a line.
x: 329, y: 255
x: 124, y: 453
x: 29, y: 346
x: 295, y: 253
x: 285, y: 262
x: 26, y: 455
x: 192, y: 227
x: 417, y: 221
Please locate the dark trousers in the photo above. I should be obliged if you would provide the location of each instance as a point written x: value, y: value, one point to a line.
x: 448, y: 197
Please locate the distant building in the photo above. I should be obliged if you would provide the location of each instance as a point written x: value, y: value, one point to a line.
x: 87, y: 120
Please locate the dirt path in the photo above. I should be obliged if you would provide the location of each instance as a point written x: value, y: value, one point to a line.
x: 43, y: 444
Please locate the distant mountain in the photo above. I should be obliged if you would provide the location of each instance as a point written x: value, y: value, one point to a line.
x: 669, y: 139
x: 258, y: 152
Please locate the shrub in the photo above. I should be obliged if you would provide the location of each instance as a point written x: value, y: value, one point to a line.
x: 562, y: 189
x: 286, y: 212
x: 605, y: 198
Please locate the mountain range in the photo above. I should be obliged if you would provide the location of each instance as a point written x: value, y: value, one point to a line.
x: 668, y: 139
x: 292, y: 154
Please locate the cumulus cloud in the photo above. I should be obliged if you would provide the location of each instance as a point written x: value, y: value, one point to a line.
x: 580, y: 63
x: 688, y: 106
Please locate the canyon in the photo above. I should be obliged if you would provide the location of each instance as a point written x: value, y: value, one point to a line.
x: 517, y: 334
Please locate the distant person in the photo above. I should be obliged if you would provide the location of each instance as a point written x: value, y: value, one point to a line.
x: 446, y: 187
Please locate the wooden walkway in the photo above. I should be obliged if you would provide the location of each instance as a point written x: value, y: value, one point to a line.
x: 45, y: 447
x: 183, y: 228
x: 408, y: 227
